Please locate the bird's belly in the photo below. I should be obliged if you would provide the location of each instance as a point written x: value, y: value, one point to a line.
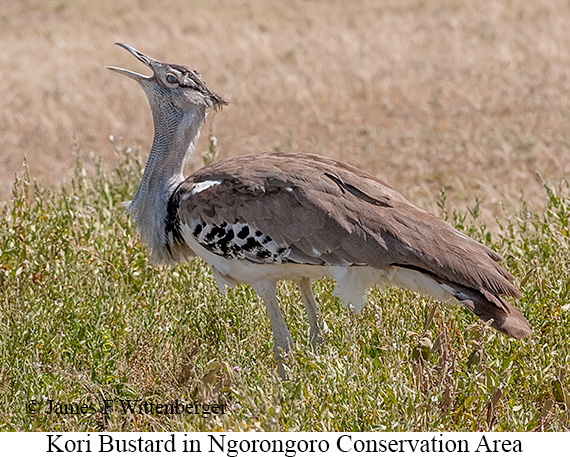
x: 352, y: 281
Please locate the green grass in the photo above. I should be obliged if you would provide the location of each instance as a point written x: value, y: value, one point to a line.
x: 84, y: 317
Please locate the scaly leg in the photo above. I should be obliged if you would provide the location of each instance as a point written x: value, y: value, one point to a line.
x: 281, y: 335
x: 318, y: 325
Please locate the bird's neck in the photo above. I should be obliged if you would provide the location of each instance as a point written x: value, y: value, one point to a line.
x: 175, y: 136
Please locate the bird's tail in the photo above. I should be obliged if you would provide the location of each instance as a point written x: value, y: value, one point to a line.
x: 490, y: 307
x: 484, y: 304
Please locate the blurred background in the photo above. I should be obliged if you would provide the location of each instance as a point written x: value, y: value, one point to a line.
x: 469, y: 97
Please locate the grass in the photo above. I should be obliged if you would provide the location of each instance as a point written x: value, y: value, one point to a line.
x: 85, y: 319
x: 468, y: 97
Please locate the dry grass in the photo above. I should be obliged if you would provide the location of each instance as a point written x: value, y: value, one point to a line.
x: 468, y: 96
x: 432, y: 94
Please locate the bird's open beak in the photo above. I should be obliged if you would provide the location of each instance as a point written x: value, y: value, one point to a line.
x: 148, y: 61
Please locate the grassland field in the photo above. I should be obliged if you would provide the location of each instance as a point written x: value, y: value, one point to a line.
x: 461, y: 106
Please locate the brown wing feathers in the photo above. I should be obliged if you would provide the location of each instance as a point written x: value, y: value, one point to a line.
x: 326, y: 212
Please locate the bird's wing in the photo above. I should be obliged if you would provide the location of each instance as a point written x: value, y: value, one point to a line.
x: 280, y: 207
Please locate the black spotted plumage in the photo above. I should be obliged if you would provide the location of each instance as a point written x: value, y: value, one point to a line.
x: 234, y: 241
x: 243, y: 233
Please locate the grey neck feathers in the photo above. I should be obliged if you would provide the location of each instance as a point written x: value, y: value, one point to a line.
x: 175, y: 136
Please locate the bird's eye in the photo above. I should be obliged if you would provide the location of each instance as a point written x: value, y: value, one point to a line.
x: 171, y: 78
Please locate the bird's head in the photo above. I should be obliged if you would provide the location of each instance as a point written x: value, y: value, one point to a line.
x: 173, y: 84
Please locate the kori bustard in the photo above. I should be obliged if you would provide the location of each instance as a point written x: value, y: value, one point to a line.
x: 260, y: 218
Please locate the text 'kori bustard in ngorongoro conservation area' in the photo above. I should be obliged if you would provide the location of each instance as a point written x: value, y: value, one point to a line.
x: 260, y: 218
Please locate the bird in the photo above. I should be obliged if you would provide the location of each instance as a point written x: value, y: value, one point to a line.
x: 260, y: 218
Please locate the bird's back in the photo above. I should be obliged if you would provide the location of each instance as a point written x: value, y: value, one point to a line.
x: 320, y: 211
x: 307, y: 210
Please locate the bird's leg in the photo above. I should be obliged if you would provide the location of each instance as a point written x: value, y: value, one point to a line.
x: 318, y: 325
x: 281, y: 335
